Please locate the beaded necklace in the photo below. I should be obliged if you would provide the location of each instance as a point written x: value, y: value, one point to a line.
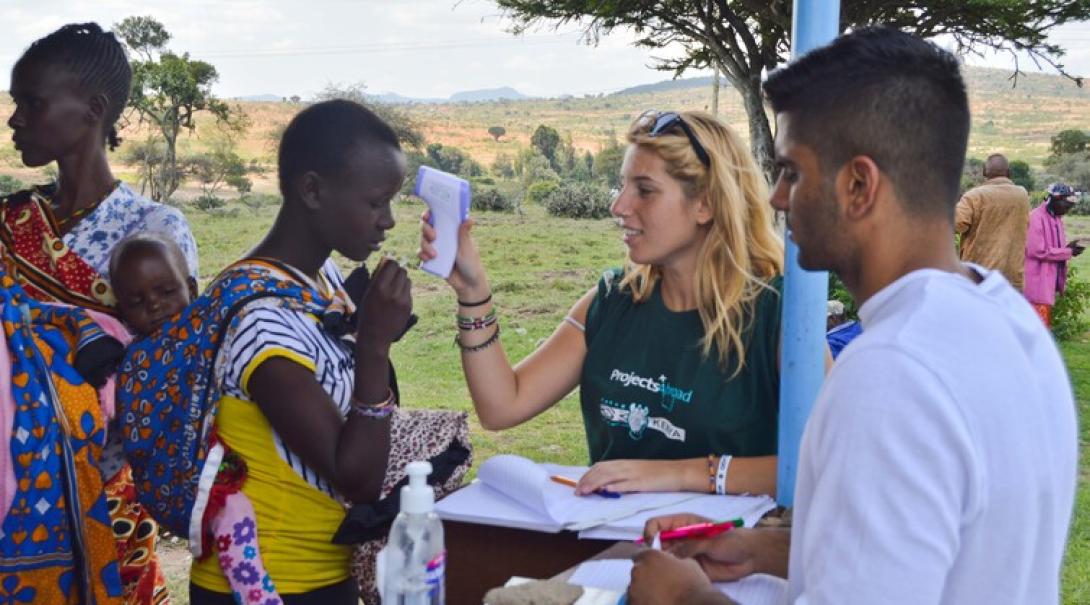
x: 64, y: 223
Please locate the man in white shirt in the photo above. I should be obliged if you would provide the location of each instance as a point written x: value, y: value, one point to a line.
x: 939, y: 463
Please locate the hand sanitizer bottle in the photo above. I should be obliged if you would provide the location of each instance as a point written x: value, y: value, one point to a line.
x: 415, y: 560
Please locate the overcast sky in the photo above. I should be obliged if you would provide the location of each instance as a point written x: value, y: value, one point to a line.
x: 418, y: 48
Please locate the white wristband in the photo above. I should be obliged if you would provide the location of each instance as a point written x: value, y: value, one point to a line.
x: 721, y: 475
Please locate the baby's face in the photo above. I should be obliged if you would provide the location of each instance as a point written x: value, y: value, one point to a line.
x: 149, y: 290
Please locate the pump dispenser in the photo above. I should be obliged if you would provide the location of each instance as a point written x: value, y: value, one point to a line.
x: 418, y: 497
x: 415, y: 559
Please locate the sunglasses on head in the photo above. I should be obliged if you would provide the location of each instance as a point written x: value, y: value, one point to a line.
x: 665, y: 121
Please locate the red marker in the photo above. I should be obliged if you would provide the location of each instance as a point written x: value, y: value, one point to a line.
x: 698, y: 530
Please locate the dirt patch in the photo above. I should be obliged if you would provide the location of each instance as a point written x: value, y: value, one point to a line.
x: 175, y: 558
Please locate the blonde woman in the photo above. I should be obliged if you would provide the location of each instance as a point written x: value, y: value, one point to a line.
x: 676, y: 355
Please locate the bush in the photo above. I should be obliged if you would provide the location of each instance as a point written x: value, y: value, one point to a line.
x: 225, y: 212
x: 209, y: 202
x: 256, y: 201
x: 1068, y: 319
x: 1081, y: 207
x: 441, y: 157
x: 607, y: 165
x: 492, y: 199
x: 453, y: 160
x: 10, y: 184
x: 1022, y: 174
x: 538, y: 192
x: 838, y: 291
x: 502, y: 166
x: 532, y: 167
x: 579, y: 200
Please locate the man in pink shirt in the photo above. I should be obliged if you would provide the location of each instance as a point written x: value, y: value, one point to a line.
x: 1047, y: 250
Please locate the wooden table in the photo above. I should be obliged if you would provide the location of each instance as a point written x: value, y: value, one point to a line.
x: 482, y: 557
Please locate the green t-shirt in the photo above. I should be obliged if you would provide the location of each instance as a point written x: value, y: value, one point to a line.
x: 648, y: 392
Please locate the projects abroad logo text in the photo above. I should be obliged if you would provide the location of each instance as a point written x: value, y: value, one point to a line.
x: 669, y: 394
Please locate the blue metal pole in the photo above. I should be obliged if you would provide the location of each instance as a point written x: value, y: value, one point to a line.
x: 816, y: 22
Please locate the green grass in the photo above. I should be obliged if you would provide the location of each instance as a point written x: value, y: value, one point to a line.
x: 1076, y: 572
x: 539, y: 266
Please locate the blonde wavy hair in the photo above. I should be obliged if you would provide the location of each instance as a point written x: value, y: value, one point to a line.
x: 742, y: 250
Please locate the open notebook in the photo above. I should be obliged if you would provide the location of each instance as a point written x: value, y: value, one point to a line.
x: 512, y: 491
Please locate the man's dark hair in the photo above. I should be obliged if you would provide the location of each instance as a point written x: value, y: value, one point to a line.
x: 996, y: 165
x: 888, y: 95
x: 95, y: 58
x: 320, y: 138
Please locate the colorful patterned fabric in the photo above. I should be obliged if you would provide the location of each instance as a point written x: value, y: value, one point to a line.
x: 168, y: 395
x: 73, y: 269
x: 41, y: 262
x: 57, y: 543
x: 49, y: 260
x: 269, y: 330
x: 235, y: 531
x: 123, y: 213
x: 1044, y: 312
x: 135, y: 534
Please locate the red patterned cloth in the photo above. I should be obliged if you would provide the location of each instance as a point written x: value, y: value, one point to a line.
x: 135, y: 535
x: 37, y: 257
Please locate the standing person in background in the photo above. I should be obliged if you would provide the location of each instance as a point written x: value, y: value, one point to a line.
x: 1047, y: 250
x: 991, y: 220
x: 70, y: 88
x: 839, y: 330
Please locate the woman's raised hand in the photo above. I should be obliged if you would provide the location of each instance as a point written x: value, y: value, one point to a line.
x: 386, y: 305
x: 467, y: 277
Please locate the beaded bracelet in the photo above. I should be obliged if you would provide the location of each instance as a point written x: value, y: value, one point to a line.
x: 476, y: 323
x: 484, y: 345
x: 487, y: 300
x: 379, y: 412
x: 711, y: 473
x: 376, y: 410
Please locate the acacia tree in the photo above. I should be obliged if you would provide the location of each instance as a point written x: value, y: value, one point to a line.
x: 546, y: 140
x: 746, y: 38
x: 168, y: 90
x: 1071, y: 140
x: 407, y: 130
x: 220, y: 166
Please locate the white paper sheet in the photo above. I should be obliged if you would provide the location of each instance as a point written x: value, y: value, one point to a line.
x: 607, y: 574
x: 614, y: 575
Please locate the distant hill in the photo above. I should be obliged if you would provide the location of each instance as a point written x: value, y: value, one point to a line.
x: 488, y: 94
x: 1018, y: 122
x: 980, y: 79
x: 265, y: 98
x: 467, y: 96
x: 668, y: 85
x: 392, y: 98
